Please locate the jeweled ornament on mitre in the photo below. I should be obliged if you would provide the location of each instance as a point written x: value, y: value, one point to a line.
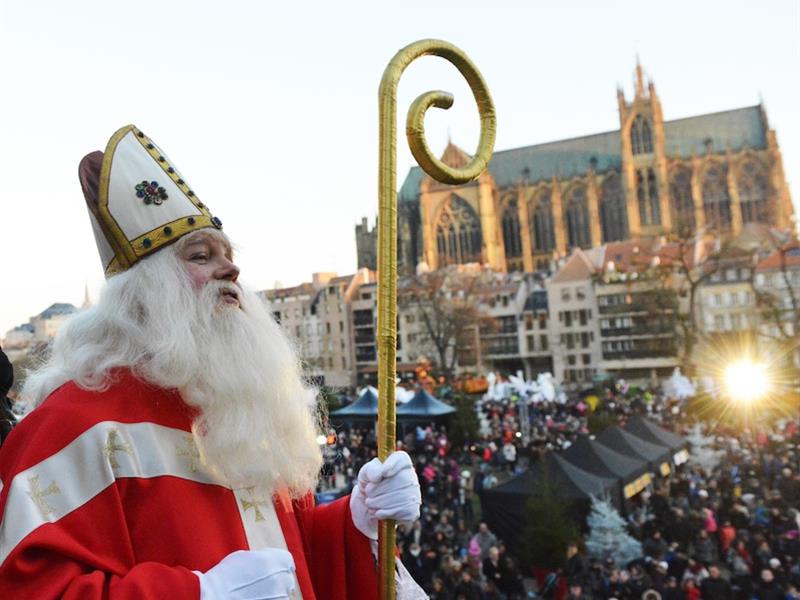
x: 151, y: 192
x: 126, y: 189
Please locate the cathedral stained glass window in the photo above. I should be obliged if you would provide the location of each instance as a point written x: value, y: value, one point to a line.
x: 680, y: 193
x: 753, y: 186
x: 576, y: 218
x: 641, y: 135
x: 647, y: 197
x: 716, y: 200
x: 458, y: 233
x: 542, y: 224
x: 613, y: 211
x: 511, y: 235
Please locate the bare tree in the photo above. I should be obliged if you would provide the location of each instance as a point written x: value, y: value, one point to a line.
x: 447, y: 303
x: 685, y: 264
x: 777, y: 293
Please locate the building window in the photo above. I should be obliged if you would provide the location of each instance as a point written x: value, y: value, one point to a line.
x: 577, y: 218
x: 511, y: 236
x: 680, y: 193
x: 571, y: 359
x: 641, y: 136
x: 541, y: 225
x: 647, y: 196
x: 543, y: 342
x: 613, y: 211
x: 716, y: 201
x: 458, y: 233
x: 530, y: 343
x: 584, y: 340
x: 753, y: 188
x: 587, y: 359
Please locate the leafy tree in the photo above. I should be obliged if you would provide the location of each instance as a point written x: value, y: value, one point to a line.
x: 548, y: 530
x: 464, y: 423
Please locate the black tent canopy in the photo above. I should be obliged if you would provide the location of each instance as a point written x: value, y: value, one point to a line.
x: 633, y: 473
x: 658, y: 457
x: 504, y: 506
x: 650, y: 432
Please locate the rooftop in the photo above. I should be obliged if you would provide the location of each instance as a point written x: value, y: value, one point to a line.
x: 738, y: 128
x: 56, y: 310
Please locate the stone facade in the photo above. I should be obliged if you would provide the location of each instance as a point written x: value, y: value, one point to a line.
x: 713, y: 173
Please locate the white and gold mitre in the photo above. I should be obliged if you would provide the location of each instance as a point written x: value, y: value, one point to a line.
x: 138, y: 201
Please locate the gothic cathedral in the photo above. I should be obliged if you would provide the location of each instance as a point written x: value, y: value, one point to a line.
x: 712, y: 174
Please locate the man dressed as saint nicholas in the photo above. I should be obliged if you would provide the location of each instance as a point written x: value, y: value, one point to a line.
x: 171, y: 449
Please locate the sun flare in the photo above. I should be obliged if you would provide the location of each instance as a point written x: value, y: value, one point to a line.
x: 746, y: 380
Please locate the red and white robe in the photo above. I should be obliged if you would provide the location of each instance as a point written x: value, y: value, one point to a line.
x: 102, y: 495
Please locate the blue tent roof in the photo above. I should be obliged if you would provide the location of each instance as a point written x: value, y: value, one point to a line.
x: 365, y: 407
x: 424, y: 405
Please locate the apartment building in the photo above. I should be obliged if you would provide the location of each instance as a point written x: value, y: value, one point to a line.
x: 574, y: 328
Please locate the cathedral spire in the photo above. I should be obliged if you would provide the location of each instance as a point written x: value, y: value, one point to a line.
x: 639, y: 78
x: 87, y: 303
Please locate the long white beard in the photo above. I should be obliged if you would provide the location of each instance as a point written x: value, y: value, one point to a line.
x: 258, y: 421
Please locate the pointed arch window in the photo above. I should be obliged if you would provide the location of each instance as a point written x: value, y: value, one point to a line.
x: 647, y: 197
x: 716, y: 200
x: 613, y: 210
x: 681, y: 201
x: 541, y: 225
x: 753, y: 190
x: 458, y: 233
x: 641, y: 135
x: 511, y: 236
x: 576, y: 218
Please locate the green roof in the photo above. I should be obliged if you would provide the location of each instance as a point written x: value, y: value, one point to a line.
x: 738, y: 128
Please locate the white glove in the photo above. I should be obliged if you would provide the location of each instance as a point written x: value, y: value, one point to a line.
x: 388, y: 490
x: 249, y: 575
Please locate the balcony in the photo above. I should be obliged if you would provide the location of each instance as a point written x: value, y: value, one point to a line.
x: 657, y: 330
x: 635, y: 354
x: 651, y: 303
x: 365, y: 338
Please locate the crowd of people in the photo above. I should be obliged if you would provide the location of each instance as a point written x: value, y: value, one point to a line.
x: 728, y: 529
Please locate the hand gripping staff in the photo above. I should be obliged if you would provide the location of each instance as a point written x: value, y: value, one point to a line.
x: 387, y: 228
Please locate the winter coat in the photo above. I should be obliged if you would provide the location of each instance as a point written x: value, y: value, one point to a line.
x: 769, y: 591
x: 715, y: 589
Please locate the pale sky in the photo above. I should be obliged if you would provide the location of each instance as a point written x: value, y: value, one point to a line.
x: 269, y: 109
